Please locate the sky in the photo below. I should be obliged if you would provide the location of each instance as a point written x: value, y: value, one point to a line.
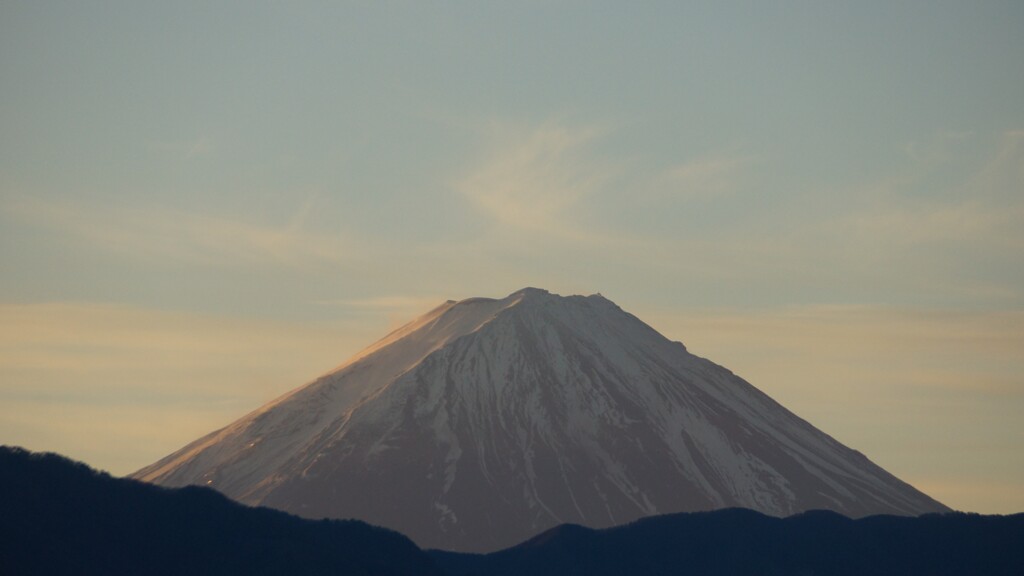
x: 204, y: 205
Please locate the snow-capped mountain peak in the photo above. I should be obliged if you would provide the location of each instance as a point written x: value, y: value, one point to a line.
x: 485, y: 421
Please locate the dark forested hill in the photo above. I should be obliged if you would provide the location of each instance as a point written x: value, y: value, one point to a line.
x: 743, y: 542
x: 61, y: 517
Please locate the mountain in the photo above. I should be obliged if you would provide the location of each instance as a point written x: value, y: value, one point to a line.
x: 61, y: 517
x: 486, y: 421
x: 737, y: 542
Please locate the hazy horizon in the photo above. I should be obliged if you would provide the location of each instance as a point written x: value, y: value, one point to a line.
x: 205, y: 206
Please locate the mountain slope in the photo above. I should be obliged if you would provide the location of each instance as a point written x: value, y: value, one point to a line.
x: 486, y: 421
x: 740, y: 542
x: 61, y: 517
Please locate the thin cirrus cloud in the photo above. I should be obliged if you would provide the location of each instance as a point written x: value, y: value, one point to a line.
x: 970, y: 227
x: 987, y: 204
x: 396, y: 308
x: 200, y: 147
x: 387, y: 303
x: 550, y: 180
x: 167, y: 377
x: 81, y: 339
x: 551, y: 184
x: 191, y: 237
x: 704, y: 178
x: 910, y: 235
x: 535, y: 180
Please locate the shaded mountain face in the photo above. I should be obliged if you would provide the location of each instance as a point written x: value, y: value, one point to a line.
x: 61, y: 517
x: 486, y: 421
x: 743, y: 542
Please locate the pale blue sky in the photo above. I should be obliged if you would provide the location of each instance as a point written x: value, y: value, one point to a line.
x: 745, y: 177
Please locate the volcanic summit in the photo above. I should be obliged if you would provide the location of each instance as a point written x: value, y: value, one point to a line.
x: 486, y: 421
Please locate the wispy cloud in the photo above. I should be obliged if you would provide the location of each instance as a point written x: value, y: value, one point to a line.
x: 536, y: 180
x: 199, y: 147
x: 946, y: 226
x: 969, y: 223
x: 705, y: 177
x: 396, y: 308
x: 91, y: 338
x: 155, y: 232
x: 914, y: 234
x: 554, y: 183
x: 981, y: 214
x: 1003, y: 175
x: 387, y: 303
x: 144, y: 382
